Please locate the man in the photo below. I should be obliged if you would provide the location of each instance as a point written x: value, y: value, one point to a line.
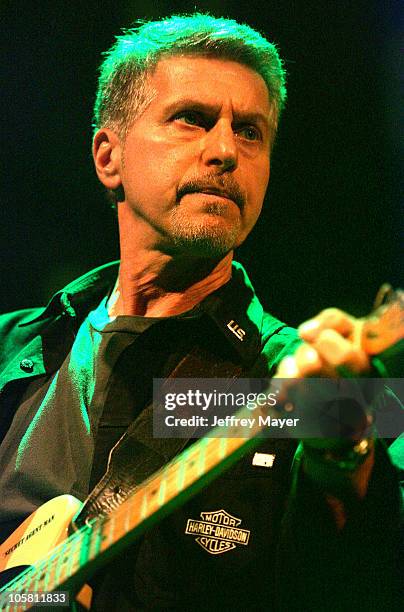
x: 186, y: 115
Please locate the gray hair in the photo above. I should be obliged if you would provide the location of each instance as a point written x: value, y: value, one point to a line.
x: 122, y: 92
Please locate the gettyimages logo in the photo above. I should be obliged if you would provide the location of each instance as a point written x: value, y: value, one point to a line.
x: 218, y: 531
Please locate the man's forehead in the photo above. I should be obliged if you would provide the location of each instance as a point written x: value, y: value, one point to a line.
x: 208, y: 80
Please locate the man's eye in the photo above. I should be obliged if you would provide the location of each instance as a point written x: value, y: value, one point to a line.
x: 249, y: 132
x: 189, y: 117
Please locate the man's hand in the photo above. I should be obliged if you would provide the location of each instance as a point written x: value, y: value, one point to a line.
x: 331, y: 348
x: 332, y: 345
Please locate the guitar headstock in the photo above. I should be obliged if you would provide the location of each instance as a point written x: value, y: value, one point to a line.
x: 384, y: 326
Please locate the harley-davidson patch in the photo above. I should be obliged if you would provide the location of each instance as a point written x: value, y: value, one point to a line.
x: 218, y: 531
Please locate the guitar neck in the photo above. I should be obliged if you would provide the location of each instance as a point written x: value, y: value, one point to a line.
x: 78, y: 557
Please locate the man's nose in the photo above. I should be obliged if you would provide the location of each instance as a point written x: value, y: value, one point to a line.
x: 220, y: 147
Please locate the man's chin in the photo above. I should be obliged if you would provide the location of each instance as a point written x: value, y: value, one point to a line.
x: 213, y: 235
x: 204, y: 246
x: 206, y: 242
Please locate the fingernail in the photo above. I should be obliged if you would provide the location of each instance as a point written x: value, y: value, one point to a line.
x: 312, y: 355
x: 308, y: 326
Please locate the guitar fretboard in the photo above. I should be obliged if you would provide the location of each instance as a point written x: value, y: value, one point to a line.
x: 76, y: 558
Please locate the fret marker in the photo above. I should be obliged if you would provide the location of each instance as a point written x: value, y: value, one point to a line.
x: 263, y: 460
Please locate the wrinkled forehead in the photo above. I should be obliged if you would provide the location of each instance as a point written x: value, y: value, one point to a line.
x: 210, y: 79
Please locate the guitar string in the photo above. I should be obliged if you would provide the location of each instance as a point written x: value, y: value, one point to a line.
x: 54, y: 559
x: 69, y: 542
x: 172, y: 467
x: 60, y: 552
x: 150, y: 489
x: 64, y: 550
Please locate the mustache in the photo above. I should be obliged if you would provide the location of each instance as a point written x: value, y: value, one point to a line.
x: 226, y: 185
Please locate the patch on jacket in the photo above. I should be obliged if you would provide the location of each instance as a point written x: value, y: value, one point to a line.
x: 218, y: 531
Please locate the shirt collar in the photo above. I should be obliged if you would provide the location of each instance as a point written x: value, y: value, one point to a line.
x: 81, y: 295
x: 234, y: 307
x: 238, y: 314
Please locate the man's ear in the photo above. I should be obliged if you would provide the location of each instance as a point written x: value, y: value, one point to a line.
x: 107, y: 158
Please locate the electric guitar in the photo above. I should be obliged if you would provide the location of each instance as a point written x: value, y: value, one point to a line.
x: 57, y: 558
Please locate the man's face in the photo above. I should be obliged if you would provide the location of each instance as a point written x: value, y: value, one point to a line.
x: 195, y: 164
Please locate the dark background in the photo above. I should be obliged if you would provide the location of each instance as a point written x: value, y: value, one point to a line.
x: 330, y: 232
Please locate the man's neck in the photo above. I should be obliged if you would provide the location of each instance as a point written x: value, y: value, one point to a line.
x: 154, y: 284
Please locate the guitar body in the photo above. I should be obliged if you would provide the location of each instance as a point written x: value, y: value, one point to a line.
x: 37, y: 536
x: 42, y: 531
